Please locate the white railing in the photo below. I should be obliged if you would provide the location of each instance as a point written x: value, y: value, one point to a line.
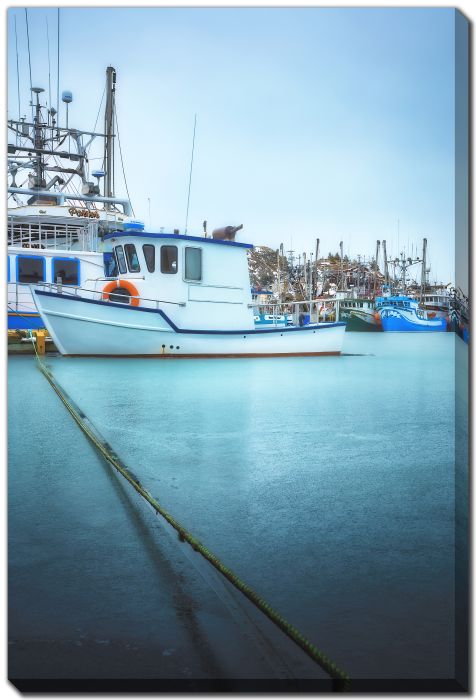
x: 98, y: 294
x: 43, y: 234
x: 19, y: 297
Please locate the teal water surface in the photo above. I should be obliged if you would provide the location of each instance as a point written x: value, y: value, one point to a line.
x: 327, y: 484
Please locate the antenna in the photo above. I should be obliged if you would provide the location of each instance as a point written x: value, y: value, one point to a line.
x: 190, y: 177
x: 58, y: 69
x: 49, y: 63
x: 29, y: 60
x: 18, y: 72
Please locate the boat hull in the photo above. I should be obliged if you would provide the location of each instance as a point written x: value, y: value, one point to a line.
x: 82, y: 326
x: 363, y: 322
x: 394, y: 320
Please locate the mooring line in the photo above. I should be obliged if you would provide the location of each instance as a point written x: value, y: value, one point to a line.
x: 342, y: 680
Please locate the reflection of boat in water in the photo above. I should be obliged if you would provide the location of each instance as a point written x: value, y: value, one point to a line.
x: 57, y: 222
x: 174, y: 296
x: 403, y: 314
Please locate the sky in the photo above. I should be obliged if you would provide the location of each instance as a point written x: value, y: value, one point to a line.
x: 329, y: 123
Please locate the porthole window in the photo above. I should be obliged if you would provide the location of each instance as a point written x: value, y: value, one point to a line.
x: 168, y: 259
x: 131, y: 257
x: 193, y: 264
x: 67, y: 269
x: 149, y: 255
x: 30, y: 269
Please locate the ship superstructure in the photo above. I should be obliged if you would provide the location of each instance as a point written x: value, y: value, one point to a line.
x: 58, y: 209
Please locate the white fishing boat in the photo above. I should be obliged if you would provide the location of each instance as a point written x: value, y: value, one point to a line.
x: 57, y: 216
x: 174, y: 296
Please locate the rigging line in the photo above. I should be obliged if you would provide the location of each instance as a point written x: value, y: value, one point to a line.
x: 49, y: 62
x: 190, y: 176
x: 58, y: 68
x: 113, y: 101
x: 99, y: 110
x: 122, y: 161
x: 18, y: 73
x: 29, y: 62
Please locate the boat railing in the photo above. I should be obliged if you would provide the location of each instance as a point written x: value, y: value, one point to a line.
x: 47, y: 234
x: 319, y: 310
x: 19, y: 296
x: 98, y: 294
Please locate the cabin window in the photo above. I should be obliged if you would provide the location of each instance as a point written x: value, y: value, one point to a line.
x: 67, y: 269
x: 110, y: 265
x: 131, y: 256
x: 149, y: 255
x: 121, y: 261
x: 30, y: 269
x: 193, y: 264
x: 168, y: 259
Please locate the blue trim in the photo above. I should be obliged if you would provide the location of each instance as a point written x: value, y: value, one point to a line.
x: 31, y: 257
x: 8, y: 268
x: 24, y: 322
x: 288, y: 329
x: 176, y: 237
x: 78, y: 270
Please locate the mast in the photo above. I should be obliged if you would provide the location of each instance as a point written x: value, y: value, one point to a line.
x: 385, y: 261
x: 38, y: 139
x: 423, y: 269
x: 109, y: 133
x: 376, y: 267
x: 315, y: 262
x: 341, y: 246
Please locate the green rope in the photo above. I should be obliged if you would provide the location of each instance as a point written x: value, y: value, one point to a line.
x: 110, y: 456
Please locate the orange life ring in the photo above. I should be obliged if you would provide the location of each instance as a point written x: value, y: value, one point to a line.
x: 117, y: 284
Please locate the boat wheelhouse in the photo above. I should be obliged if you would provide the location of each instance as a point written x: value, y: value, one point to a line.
x: 437, y: 305
x: 173, y: 296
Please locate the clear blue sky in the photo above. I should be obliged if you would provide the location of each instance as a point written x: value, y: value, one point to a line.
x: 330, y: 123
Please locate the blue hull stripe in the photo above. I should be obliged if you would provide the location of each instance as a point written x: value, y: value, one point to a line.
x: 185, y: 330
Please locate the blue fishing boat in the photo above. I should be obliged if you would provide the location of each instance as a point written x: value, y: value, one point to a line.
x: 400, y: 313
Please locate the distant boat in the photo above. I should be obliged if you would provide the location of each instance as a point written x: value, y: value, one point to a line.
x: 359, y: 314
x: 403, y: 314
x: 366, y: 319
x: 269, y: 320
x: 436, y: 305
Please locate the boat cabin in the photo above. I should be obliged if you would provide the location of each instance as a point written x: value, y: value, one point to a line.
x: 199, y: 282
